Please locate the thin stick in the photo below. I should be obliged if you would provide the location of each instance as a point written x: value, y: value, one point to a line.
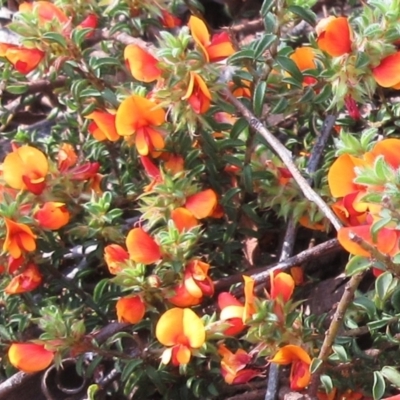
x: 285, y: 156
x: 334, y: 327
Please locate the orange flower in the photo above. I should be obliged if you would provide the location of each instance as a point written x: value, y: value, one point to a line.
x: 23, y: 59
x: 30, y: 357
x: 304, y: 58
x: 282, y: 286
x: 387, y: 73
x: 386, y: 240
x: 66, y: 157
x: 197, y: 94
x: 29, y: 279
x: 196, y: 284
x: 183, y: 219
x: 26, y: 168
x: 13, y: 265
x: 138, y: 116
x: 115, y: 257
x: 214, y: 49
x: 142, y: 248
x: 130, y: 309
x: 46, y: 11
x: 52, y: 215
x: 174, y: 164
x: 300, y: 375
x: 233, y: 366
x: 334, y: 36
x: 102, y: 126
x: 234, y: 312
x: 169, y: 20
x: 19, y: 238
x: 181, y: 330
x: 143, y: 65
x: 202, y: 204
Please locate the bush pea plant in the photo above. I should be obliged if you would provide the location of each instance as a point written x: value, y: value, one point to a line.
x: 134, y: 232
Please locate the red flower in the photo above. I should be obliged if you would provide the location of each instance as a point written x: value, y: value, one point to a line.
x: 30, y: 357
x: 130, y: 309
x: 23, y: 59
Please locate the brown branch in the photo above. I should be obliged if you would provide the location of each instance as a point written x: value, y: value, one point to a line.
x: 285, y: 156
x: 260, y: 275
x: 334, y: 327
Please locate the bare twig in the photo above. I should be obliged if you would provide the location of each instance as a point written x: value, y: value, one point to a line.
x: 285, y: 156
x: 334, y: 327
x: 261, y: 275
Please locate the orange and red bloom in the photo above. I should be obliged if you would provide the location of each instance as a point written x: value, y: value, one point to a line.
x: 233, y: 311
x: 26, y: 168
x: 142, y: 248
x: 102, y: 126
x: 29, y: 279
x: 52, y: 215
x: 23, y: 59
x: 182, y: 331
x: 233, y: 366
x: 304, y: 58
x: 140, y: 117
x: 115, y: 257
x: 387, y: 73
x: 196, y: 284
x: 141, y: 64
x: 197, y: 94
x: 214, y: 48
x: 130, y: 309
x: 19, y: 238
x: 352, y: 209
x: 334, y: 36
x: 30, y: 357
x: 300, y: 375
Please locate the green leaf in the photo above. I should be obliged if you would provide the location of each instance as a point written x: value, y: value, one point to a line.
x: 378, y: 389
x: 17, y: 89
x: 289, y: 66
x: 55, y: 37
x: 392, y: 375
x: 383, y: 284
x: 240, y: 125
x: 91, y: 391
x: 357, y: 264
x: 242, y: 55
x: 305, y: 14
x: 259, y: 98
x: 341, y: 352
x: 129, y: 368
x: 264, y: 44
x: 323, y: 95
x: 315, y: 365
x: 280, y: 106
x: 266, y: 7
x: 327, y: 383
x: 247, y: 177
x: 378, y: 225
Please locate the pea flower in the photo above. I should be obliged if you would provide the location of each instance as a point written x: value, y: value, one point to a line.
x: 130, y: 309
x: 30, y: 357
x: 52, y: 215
x: 141, y: 64
x: 214, y: 48
x: 196, y: 284
x: 26, y: 168
x: 182, y: 331
x: 102, y: 126
x: 300, y: 375
x: 334, y: 36
x: 46, y: 12
x: 66, y: 157
x: 142, y: 248
x: 197, y: 94
x: 233, y: 311
x: 139, y: 117
x: 115, y: 257
x: 233, y: 366
x: 387, y: 74
x: 352, y: 209
x: 19, y: 238
x: 304, y: 58
x: 197, y: 206
x: 23, y: 59
x: 29, y: 279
